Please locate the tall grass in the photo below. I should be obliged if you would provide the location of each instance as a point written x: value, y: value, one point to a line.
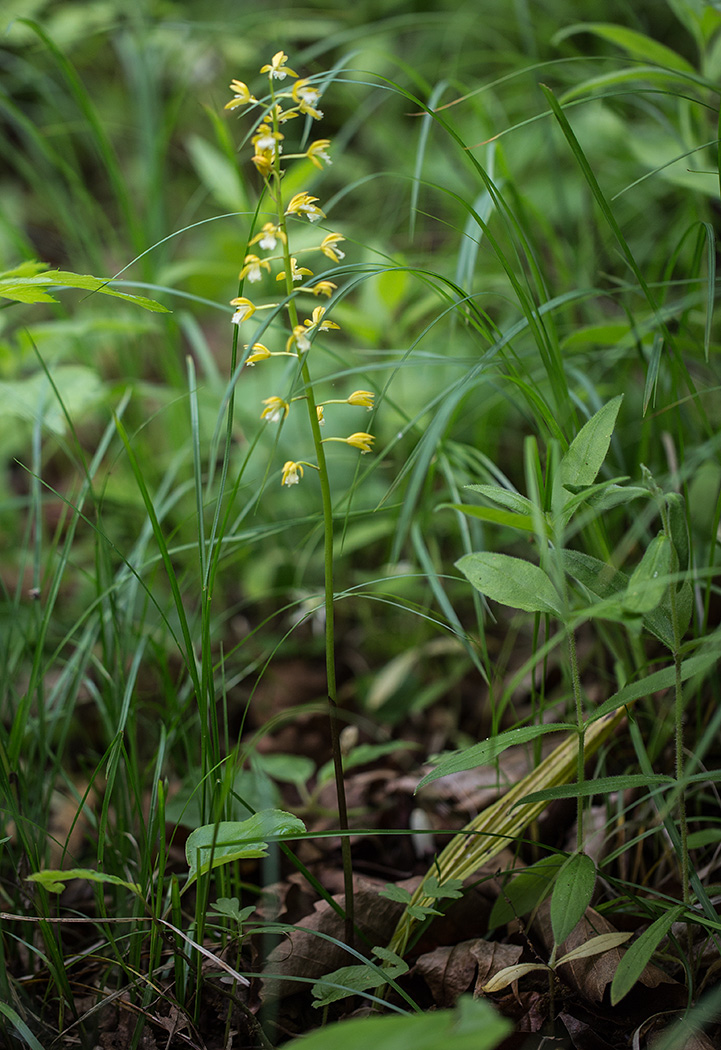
x: 530, y: 209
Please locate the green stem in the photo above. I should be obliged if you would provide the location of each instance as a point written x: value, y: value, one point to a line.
x: 581, y: 759
x: 328, y: 565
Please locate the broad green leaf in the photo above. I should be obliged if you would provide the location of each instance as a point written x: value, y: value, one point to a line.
x: 23, y: 286
x: 649, y: 580
x: 586, y: 453
x: 600, y: 786
x: 596, y: 946
x: 232, y: 839
x: 525, y: 891
x: 511, y: 581
x: 637, y: 957
x: 295, y: 769
x: 472, y: 1025
x: 606, y: 582
x: 54, y: 880
x: 485, y: 752
x: 572, y: 894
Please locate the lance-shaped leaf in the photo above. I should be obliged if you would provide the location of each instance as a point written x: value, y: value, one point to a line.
x: 485, y: 752
x: 572, y: 894
x: 586, y: 453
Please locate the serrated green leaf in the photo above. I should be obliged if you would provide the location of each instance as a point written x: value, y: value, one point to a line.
x: 487, y: 750
x: 586, y: 453
x: 33, y: 288
x: 54, y: 880
x: 649, y: 580
x: 571, y: 895
x: 511, y: 581
x: 637, y: 957
x: 451, y: 888
x: 232, y: 839
x: 395, y: 893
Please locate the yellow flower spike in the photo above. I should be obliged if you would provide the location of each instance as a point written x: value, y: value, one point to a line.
x: 328, y: 247
x: 242, y: 95
x: 277, y: 67
x: 304, y: 204
x: 258, y: 352
x: 359, y: 440
x: 362, y: 397
x: 253, y: 268
x: 296, y: 272
x: 323, y: 288
x: 316, y: 152
x: 275, y: 411
x: 245, y: 309
x: 268, y: 237
x: 292, y: 473
x: 306, y: 96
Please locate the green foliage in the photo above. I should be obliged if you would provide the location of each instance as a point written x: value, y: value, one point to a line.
x: 472, y: 1025
x: 529, y: 288
x: 215, y: 844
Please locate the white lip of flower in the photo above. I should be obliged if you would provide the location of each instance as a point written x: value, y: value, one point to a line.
x: 267, y: 242
x: 292, y: 473
x: 245, y: 309
x: 268, y: 142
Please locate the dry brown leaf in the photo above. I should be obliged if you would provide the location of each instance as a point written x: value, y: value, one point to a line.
x: 304, y: 954
x: 450, y: 971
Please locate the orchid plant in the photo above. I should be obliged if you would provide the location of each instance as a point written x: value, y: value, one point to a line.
x: 280, y: 106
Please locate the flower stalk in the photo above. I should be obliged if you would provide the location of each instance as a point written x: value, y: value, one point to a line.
x: 268, y: 142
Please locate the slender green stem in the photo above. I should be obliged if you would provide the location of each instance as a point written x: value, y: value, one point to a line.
x: 328, y: 563
x: 581, y: 760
